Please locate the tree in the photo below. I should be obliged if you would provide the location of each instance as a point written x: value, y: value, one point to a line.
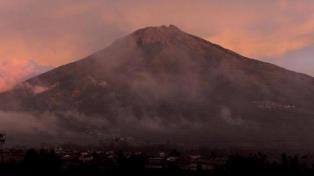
x: 2, y: 139
x: 2, y: 142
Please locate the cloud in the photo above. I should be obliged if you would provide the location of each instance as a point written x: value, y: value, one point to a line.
x: 36, y: 129
x: 15, y: 71
x: 71, y: 127
x: 226, y: 115
x: 60, y: 31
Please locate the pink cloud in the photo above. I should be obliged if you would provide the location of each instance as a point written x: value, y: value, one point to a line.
x: 14, y: 71
x: 57, y: 32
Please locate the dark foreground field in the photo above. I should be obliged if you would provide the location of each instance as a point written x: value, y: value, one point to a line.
x: 150, y: 161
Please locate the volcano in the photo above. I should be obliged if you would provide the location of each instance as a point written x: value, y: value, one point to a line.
x: 176, y: 86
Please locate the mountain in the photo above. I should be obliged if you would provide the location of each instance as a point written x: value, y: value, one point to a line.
x: 160, y: 83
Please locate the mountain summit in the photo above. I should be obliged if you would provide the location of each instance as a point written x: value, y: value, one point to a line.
x: 171, y: 84
x: 161, y: 34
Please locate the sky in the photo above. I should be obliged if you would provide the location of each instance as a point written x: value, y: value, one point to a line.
x: 37, y: 34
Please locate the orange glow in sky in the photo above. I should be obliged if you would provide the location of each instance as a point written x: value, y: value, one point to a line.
x: 55, y: 32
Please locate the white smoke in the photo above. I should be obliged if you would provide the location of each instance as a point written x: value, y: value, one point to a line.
x: 226, y: 115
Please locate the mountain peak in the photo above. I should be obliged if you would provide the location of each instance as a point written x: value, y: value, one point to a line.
x: 161, y: 34
x: 160, y: 29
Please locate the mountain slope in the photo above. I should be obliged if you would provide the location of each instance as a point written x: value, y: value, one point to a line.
x: 179, y: 83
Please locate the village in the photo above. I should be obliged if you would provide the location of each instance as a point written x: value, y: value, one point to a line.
x: 69, y: 158
x: 120, y: 157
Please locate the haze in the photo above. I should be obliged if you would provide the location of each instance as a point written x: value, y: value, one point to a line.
x: 55, y: 32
